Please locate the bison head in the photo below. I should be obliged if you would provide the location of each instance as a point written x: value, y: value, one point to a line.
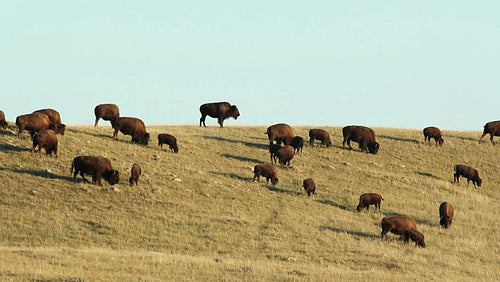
x: 233, y: 112
x: 112, y: 176
x: 274, y: 181
x: 445, y: 221
x: 373, y: 147
x: 142, y: 139
x: 59, y: 129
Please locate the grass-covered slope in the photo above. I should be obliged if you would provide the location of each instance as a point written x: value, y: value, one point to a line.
x: 197, y: 214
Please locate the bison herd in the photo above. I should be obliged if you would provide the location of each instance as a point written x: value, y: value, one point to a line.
x: 44, y: 125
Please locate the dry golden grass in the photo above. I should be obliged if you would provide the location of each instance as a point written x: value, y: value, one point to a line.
x: 198, y: 215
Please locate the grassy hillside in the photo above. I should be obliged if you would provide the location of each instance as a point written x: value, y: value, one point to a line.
x: 197, y: 214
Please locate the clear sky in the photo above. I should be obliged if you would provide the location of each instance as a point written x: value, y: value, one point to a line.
x: 405, y: 64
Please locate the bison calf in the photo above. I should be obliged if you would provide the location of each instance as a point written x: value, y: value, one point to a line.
x: 321, y: 135
x: 98, y: 167
x: 273, y: 150
x: 168, y: 139
x: 397, y: 225
x: 446, y: 214
x: 268, y: 171
x: 297, y: 144
x: 285, y: 155
x: 309, y: 186
x: 367, y: 199
x: 467, y: 172
x: 416, y: 236
x: 45, y: 139
x: 136, y: 172
x: 3, y: 122
x: 435, y: 133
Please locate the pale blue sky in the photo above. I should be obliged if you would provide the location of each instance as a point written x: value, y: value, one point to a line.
x: 406, y: 64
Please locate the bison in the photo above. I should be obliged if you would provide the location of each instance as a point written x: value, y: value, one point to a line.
x: 492, y: 128
x: 397, y: 225
x: 467, y: 172
x: 281, y: 133
x: 285, y: 155
x: 219, y: 110
x: 433, y: 132
x: 273, y: 150
x: 98, y: 167
x: 416, y: 236
x: 131, y: 126
x: 34, y: 122
x: 321, y: 135
x: 446, y: 214
x: 309, y: 186
x: 3, y: 122
x: 168, y: 139
x: 367, y: 199
x: 136, y: 172
x: 45, y: 139
x: 297, y: 144
x: 365, y: 136
x: 106, y: 112
x: 55, y: 120
x: 268, y: 171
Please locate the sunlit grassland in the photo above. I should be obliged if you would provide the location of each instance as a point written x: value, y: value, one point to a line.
x: 197, y: 214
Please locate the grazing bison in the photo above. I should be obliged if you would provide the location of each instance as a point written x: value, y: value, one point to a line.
x: 365, y: 136
x: 446, y: 214
x: 131, y: 126
x: 136, y: 172
x: 416, y: 236
x: 268, y: 171
x: 367, y: 199
x: 45, y: 139
x: 55, y: 120
x: 285, y: 155
x: 34, y: 122
x: 309, y: 186
x: 467, y: 172
x: 106, y: 112
x: 273, y: 150
x: 281, y: 133
x: 297, y: 144
x: 219, y: 110
x: 397, y: 225
x: 3, y: 122
x: 168, y: 139
x: 433, y: 132
x: 492, y: 128
x: 98, y: 167
x: 321, y: 135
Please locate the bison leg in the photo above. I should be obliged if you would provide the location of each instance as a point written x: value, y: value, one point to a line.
x: 491, y: 138
x: 96, y: 120
x: 221, y: 121
x: 456, y: 177
x: 202, y: 120
x: 115, y: 134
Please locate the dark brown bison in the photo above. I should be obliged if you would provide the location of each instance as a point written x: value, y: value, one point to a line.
x: 367, y: 199
x: 55, y: 120
x: 492, y: 128
x: 285, y: 155
x: 397, y: 225
x: 297, y: 144
x: 416, y: 236
x: 3, y: 122
x: 131, y: 126
x: 106, y: 112
x: 219, y: 110
x: 281, y: 133
x: 135, y: 173
x: 273, y: 150
x: 435, y: 133
x: 321, y: 135
x: 446, y: 214
x: 33, y: 123
x: 45, y: 139
x: 97, y: 167
x: 365, y: 136
x: 467, y: 172
x: 168, y: 139
x: 268, y: 171
x: 309, y: 186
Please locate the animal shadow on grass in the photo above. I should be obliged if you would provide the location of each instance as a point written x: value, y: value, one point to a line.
x: 399, y: 139
x: 244, y: 159
x: 232, y: 175
x: 40, y: 173
x: 250, y: 144
x: 330, y: 203
x: 92, y: 134
x: 7, y: 132
x: 9, y: 147
x: 353, y: 233
x: 464, y: 138
x: 274, y: 189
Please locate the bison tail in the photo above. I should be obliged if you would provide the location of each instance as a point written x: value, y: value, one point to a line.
x: 455, y: 168
x: 72, y: 165
x: 381, y: 198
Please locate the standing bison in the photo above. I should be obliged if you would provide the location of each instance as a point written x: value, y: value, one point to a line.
x: 285, y: 155
x: 435, y: 133
x: 134, y: 175
x: 170, y: 140
x: 397, y: 225
x: 297, y: 144
x: 281, y: 133
x: 268, y: 171
x: 45, y: 139
x: 97, y: 167
x: 309, y: 186
x: 34, y: 122
x: 446, y: 214
x: 106, y: 112
x: 492, y: 128
x: 365, y: 136
x: 3, y: 122
x: 321, y: 135
x: 467, y: 172
x: 131, y: 126
x: 367, y: 199
x: 219, y: 110
x: 55, y: 120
